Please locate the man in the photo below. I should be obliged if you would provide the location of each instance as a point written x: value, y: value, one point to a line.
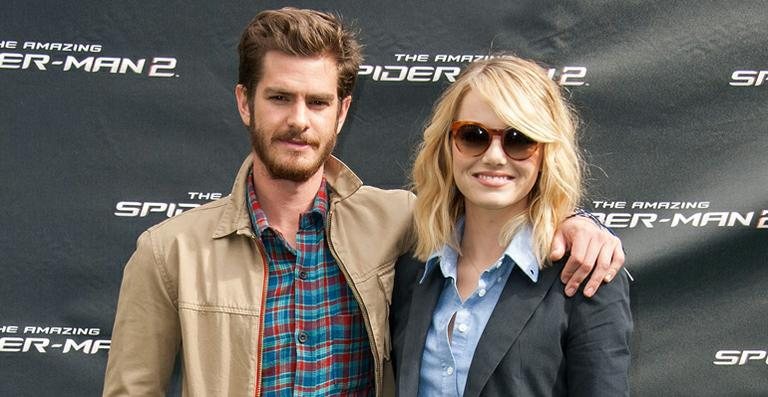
x: 283, y: 286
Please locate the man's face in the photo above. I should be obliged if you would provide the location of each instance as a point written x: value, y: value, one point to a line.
x: 295, y: 115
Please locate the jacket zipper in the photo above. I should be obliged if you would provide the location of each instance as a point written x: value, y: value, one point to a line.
x: 264, y: 286
x: 377, y: 371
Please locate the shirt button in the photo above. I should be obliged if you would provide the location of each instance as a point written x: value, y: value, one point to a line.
x: 449, y: 370
x: 303, y: 337
x: 463, y: 328
x: 481, y: 292
x: 303, y: 275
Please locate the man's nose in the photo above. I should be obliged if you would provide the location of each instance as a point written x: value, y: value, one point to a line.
x: 298, y: 117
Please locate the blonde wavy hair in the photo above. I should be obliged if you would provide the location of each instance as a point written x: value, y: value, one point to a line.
x: 523, y: 96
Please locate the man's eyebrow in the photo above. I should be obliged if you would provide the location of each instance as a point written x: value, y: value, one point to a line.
x: 278, y: 91
x: 312, y: 96
x: 322, y: 97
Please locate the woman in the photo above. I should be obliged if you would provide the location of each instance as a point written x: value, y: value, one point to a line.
x: 498, y: 169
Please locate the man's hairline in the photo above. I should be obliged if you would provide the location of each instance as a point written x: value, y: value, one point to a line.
x: 326, y: 53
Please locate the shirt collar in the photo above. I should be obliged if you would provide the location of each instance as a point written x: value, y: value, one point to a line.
x: 236, y: 218
x: 259, y: 220
x: 519, y: 252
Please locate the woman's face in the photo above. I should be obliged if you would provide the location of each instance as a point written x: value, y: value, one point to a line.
x: 492, y: 181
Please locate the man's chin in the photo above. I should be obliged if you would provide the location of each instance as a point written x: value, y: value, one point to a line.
x: 291, y: 165
x: 293, y: 171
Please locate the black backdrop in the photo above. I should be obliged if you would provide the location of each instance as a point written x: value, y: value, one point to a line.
x: 115, y: 115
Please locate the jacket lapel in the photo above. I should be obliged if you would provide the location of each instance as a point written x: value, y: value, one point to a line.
x: 516, y: 305
x: 423, y: 302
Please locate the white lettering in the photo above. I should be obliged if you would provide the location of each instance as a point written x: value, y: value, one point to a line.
x: 726, y: 357
x: 139, y: 209
x: 162, y: 67
x: 135, y: 67
x: 71, y: 345
x: 38, y: 343
x: 70, y: 62
x: 762, y: 223
x: 678, y: 219
x: 10, y: 344
x: 10, y: 61
x: 570, y: 74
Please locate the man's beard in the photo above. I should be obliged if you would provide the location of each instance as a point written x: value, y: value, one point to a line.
x: 289, y: 168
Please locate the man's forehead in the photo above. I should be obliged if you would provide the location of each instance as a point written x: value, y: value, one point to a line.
x: 316, y: 74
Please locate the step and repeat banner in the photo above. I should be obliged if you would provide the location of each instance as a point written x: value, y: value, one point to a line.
x: 117, y: 115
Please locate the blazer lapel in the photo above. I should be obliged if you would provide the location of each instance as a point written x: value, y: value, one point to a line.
x: 516, y: 305
x: 423, y: 302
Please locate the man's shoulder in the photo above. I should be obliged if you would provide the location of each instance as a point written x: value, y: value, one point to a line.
x: 386, y: 205
x: 199, y: 220
x: 389, y: 197
x: 385, y: 216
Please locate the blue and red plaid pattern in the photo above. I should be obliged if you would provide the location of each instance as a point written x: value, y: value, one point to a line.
x: 314, y: 341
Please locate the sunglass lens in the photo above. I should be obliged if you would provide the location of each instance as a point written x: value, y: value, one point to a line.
x: 472, y: 139
x: 517, y: 145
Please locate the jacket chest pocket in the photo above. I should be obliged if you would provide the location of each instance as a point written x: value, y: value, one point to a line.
x: 220, y: 341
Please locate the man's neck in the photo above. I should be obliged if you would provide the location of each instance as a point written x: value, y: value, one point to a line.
x: 283, y: 201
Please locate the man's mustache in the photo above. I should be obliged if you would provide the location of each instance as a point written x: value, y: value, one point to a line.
x: 297, y: 136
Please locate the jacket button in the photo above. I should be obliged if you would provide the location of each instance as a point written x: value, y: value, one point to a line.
x: 303, y: 275
x: 303, y: 337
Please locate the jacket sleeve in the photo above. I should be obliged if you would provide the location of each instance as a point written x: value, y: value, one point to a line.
x: 597, y: 352
x: 146, y: 333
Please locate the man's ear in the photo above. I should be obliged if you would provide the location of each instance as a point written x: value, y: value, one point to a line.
x: 243, y: 105
x: 343, y: 110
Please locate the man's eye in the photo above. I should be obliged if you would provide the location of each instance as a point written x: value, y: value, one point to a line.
x: 278, y: 98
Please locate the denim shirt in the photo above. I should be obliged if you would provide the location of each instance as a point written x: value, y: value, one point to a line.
x: 445, y: 365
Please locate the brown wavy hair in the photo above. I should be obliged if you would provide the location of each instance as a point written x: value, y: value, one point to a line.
x: 301, y: 33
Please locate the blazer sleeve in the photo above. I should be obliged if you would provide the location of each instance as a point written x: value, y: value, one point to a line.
x: 598, y: 351
x: 408, y: 270
x: 146, y: 333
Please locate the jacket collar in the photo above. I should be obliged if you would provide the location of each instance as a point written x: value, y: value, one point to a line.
x: 235, y: 218
x: 517, y: 303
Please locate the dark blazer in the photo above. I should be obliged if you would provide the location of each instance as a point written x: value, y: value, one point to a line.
x: 538, y: 342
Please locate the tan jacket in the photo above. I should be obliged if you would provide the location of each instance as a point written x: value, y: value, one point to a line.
x: 196, y: 285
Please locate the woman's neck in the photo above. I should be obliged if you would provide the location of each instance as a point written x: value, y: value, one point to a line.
x: 482, y: 229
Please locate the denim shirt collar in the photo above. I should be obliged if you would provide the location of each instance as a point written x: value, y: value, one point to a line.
x: 519, y: 252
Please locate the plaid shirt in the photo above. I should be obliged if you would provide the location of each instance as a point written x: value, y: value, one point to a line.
x: 315, y: 342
